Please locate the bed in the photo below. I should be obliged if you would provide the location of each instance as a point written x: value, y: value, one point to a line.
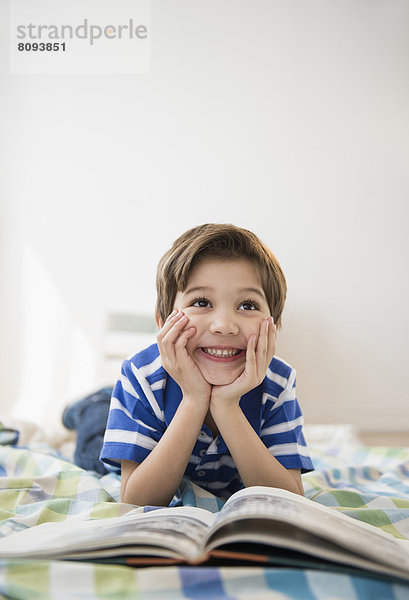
x: 39, y: 483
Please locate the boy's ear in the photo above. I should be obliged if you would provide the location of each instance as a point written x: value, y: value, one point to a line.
x: 159, y: 322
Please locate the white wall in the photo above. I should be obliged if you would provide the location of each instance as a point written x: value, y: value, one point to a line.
x: 289, y: 118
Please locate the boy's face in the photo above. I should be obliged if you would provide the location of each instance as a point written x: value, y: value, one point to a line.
x: 225, y: 302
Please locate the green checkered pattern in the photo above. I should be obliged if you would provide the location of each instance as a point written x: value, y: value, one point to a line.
x: 37, y: 486
x: 370, y: 484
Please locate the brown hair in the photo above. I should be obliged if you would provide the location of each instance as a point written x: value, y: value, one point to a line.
x: 218, y: 240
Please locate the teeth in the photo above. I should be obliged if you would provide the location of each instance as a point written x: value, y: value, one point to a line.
x: 219, y: 352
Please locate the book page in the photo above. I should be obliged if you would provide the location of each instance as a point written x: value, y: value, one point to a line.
x: 321, y: 521
x: 180, y: 530
x: 289, y: 537
x: 137, y: 550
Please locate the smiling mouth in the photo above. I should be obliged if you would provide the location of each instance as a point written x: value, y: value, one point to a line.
x: 222, y: 353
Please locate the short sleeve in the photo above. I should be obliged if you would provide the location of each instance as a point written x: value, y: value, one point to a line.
x: 282, y: 423
x: 134, y: 424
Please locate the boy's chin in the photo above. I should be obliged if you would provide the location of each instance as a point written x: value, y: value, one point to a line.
x: 215, y: 378
x: 219, y: 380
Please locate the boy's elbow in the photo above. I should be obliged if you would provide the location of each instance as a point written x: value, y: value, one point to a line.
x: 125, y: 496
x: 130, y: 497
x: 126, y: 499
x: 130, y: 494
x: 296, y: 478
x: 146, y: 499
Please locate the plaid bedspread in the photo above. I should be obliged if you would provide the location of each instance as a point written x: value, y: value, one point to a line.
x: 37, y: 486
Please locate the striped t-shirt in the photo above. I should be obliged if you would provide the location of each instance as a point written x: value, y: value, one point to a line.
x: 146, y: 398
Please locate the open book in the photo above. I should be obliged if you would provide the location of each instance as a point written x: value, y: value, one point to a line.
x: 254, y: 523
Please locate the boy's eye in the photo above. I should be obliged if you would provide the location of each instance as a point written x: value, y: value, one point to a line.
x: 201, y: 303
x: 248, y: 305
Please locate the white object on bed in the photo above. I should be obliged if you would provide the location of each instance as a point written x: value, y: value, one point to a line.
x: 332, y: 436
x: 125, y: 334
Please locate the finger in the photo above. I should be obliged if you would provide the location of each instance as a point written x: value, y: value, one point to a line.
x: 170, y: 321
x: 177, y: 323
x: 185, y: 335
x: 251, y: 351
x: 262, y: 353
x: 166, y: 326
x: 182, y: 340
x: 169, y: 335
x: 262, y: 343
x: 271, y: 339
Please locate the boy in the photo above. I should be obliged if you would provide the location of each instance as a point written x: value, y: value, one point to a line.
x: 209, y: 400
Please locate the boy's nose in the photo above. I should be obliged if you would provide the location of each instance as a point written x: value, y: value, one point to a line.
x: 224, y: 324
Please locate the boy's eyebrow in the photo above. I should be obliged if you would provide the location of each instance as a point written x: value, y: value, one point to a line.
x: 251, y: 290
x: 197, y: 289
x: 247, y: 290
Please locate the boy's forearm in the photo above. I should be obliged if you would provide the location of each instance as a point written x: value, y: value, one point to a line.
x: 155, y: 480
x: 253, y: 460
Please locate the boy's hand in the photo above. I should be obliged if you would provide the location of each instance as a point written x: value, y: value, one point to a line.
x: 259, y: 354
x: 172, y: 340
